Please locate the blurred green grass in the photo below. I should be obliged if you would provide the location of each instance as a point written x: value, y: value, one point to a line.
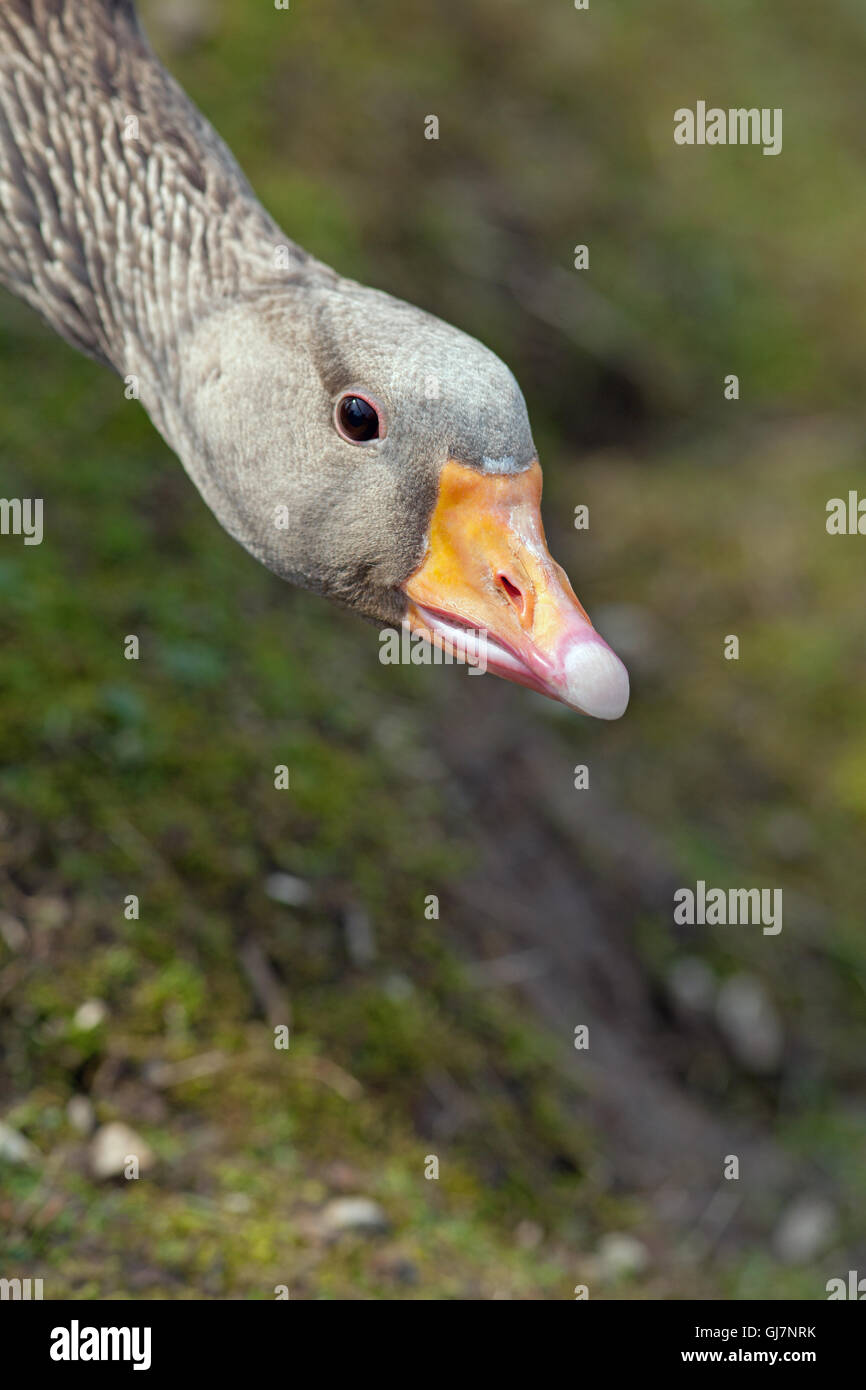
x: 707, y: 518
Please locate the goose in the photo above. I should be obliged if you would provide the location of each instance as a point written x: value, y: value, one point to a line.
x: 354, y: 444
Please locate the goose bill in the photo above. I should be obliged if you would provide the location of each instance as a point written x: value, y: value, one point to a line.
x: 489, y: 591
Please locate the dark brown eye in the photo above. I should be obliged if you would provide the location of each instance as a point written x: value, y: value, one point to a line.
x: 358, y: 419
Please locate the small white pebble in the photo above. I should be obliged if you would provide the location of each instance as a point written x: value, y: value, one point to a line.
x: 749, y: 1021
x: 80, y: 1114
x: 111, y: 1148
x: 288, y: 890
x: 353, y: 1214
x: 14, y: 1147
x: 805, y: 1229
x: 692, y: 984
x: 621, y: 1254
x: 90, y: 1014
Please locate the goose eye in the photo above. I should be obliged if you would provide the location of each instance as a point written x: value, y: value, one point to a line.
x: 358, y: 420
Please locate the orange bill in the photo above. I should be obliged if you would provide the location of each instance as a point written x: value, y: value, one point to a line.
x: 489, y: 592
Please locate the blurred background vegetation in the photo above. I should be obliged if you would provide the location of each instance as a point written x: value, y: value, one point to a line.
x: 454, y: 1037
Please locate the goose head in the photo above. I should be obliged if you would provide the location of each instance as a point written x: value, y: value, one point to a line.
x: 354, y: 444
x: 374, y: 454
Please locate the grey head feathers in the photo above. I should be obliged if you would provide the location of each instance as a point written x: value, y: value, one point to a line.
x: 258, y: 382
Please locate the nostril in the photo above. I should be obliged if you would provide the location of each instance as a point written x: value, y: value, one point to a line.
x: 512, y: 593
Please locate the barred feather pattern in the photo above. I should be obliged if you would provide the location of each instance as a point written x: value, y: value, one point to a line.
x: 123, y: 216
